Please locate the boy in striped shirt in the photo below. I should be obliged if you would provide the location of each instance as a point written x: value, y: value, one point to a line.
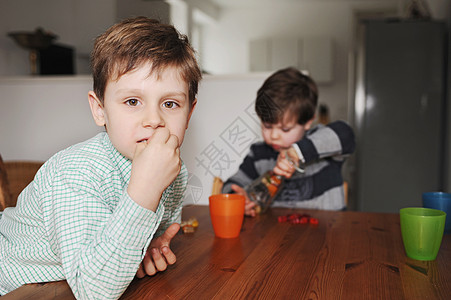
x: 286, y: 104
x: 103, y: 211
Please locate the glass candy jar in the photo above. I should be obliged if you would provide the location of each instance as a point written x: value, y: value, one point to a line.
x: 264, y: 189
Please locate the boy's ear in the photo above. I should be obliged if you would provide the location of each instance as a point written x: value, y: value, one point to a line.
x: 96, y: 109
x: 191, y: 112
x: 309, y: 123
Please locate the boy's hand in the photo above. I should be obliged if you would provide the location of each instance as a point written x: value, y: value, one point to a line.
x: 249, y: 206
x: 156, y: 163
x: 159, y: 255
x: 286, y: 162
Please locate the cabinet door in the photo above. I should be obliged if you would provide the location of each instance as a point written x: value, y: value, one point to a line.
x: 316, y: 58
x: 310, y: 54
x: 259, y: 55
x: 284, y: 53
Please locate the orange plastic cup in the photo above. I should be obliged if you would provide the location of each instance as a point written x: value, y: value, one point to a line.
x: 227, y: 213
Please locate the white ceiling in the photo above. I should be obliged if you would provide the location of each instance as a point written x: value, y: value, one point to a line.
x: 247, y: 3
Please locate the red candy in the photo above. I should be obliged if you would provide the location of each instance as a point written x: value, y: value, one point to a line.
x: 298, y: 219
x: 282, y: 219
x: 293, y: 216
x: 294, y: 221
x: 304, y: 220
x: 314, y: 221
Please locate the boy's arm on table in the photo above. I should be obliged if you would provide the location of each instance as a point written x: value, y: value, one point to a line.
x: 159, y: 254
x: 334, y: 139
x: 100, y: 249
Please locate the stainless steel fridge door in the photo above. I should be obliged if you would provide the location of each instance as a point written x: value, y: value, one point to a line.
x: 401, y: 114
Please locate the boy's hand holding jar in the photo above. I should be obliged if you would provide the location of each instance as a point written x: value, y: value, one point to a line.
x: 287, y: 163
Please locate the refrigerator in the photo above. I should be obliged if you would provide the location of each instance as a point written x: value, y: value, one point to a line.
x: 399, y: 113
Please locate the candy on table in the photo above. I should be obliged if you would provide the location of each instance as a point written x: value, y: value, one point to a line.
x: 304, y: 220
x: 298, y: 219
x: 188, y: 229
x: 314, y: 221
x: 190, y: 225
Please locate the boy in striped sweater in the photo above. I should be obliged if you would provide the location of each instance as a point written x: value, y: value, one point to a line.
x: 309, y: 157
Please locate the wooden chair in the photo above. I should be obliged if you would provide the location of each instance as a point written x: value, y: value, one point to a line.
x: 16, y: 175
x: 5, y: 194
x: 217, y: 186
x: 345, y: 188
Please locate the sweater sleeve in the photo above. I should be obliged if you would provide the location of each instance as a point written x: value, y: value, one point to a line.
x: 243, y: 177
x: 333, y: 140
x: 260, y: 159
x: 247, y: 172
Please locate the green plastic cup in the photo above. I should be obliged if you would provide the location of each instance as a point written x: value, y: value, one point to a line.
x: 422, y: 231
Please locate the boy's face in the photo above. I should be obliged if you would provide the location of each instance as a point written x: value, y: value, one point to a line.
x: 282, y: 135
x: 137, y: 104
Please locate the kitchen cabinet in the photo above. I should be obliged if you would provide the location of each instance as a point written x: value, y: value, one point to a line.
x: 313, y: 55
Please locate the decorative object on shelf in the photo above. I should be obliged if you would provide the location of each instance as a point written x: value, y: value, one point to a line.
x: 34, y: 42
x: 418, y: 9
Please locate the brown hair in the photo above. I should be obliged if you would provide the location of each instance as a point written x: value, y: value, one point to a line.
x: 136, y: 41
x: 287, y: 90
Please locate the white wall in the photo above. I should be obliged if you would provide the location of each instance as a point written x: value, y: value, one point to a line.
x: 155, y: 9
x: 40, y: 116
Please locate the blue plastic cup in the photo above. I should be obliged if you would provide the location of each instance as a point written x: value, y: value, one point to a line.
x: 440, y: 201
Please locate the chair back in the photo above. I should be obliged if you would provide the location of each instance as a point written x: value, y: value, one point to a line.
x: 14, y: 177
x: 5, y: 194
x: 20, y: 174
x: 345, y: 189
x: 217, y: 186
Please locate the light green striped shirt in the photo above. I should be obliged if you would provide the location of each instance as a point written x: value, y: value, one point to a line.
x: 75, y: 221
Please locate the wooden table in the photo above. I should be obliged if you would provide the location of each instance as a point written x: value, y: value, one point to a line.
x: 348, y: 255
